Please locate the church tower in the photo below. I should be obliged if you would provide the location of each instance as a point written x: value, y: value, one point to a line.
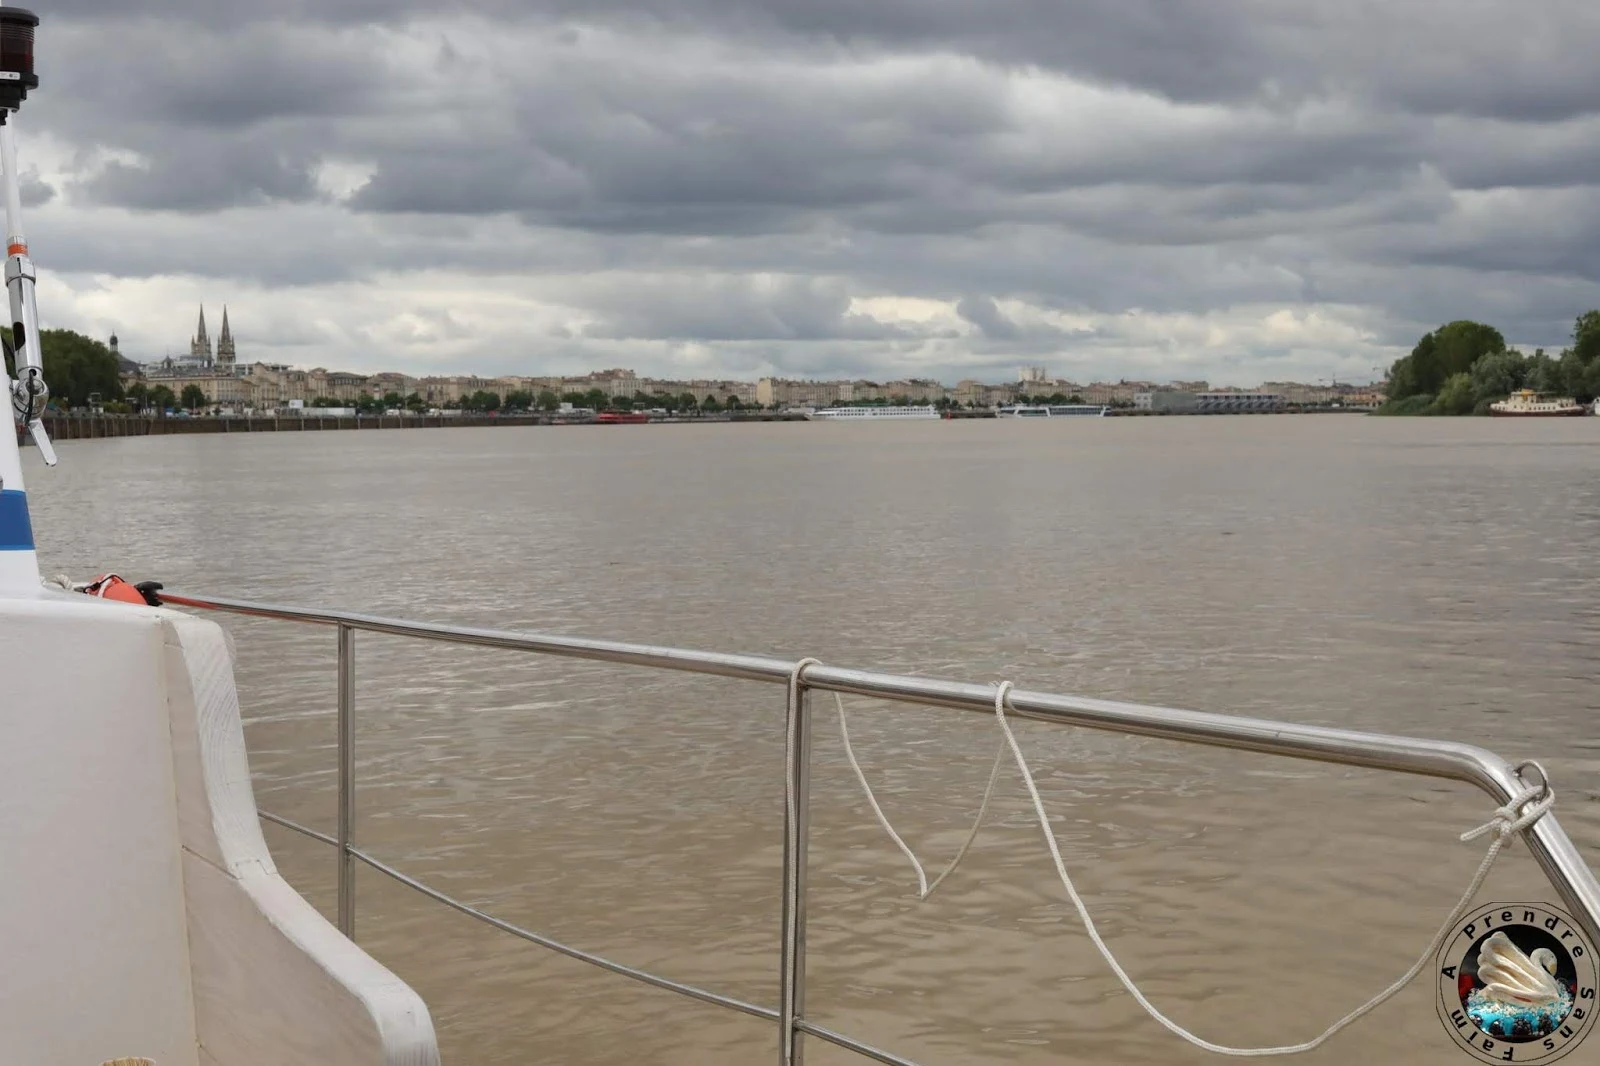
x: 225, y: 354
x: 200, y: 347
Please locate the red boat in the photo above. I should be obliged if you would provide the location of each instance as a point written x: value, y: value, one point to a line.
x: 627, y: 418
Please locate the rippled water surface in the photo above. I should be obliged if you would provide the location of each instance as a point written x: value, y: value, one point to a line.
x: 1433, y: 577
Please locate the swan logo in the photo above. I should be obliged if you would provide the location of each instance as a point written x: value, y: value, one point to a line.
x: 1517, y: 983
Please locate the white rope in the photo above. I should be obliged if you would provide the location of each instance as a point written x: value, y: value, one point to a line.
x: 924, y: 890
x: 1523, y: 809
x: 1520, y: 812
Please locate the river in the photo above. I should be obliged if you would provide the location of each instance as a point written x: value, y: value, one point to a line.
x: 1435, y: 577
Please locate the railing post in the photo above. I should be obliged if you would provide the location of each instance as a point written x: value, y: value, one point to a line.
x: 347, y: 779
x: 796, y: 823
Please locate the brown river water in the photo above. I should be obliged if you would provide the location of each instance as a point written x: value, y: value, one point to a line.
x: 1430, y: 577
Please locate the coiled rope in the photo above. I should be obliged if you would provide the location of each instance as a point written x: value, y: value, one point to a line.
x: 1517, y: 814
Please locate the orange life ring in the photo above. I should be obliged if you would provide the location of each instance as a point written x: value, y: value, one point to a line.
x: 112, y: 587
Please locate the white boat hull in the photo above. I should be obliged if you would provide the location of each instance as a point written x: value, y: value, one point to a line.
x: 140, y: 910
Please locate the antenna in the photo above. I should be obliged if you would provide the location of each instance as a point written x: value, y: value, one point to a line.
x: 19, y: 563
x: 29, y: 392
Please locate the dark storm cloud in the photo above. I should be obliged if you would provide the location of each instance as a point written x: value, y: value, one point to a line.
x: 984, y: 313
x: 744, y: 171
x: 1478, y: 56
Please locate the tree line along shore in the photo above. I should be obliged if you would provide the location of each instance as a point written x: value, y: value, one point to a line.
x: 1462, y: 367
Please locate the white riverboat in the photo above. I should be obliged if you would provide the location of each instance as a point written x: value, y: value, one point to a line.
x: 1054, y: 410
x: 873, y: 413
x: 1525, y: 403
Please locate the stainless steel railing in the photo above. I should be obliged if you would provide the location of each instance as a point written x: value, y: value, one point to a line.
x: 1549, y: 843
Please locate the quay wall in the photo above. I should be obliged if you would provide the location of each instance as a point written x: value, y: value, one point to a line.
x: 85, y: 426
x: 81, y: 426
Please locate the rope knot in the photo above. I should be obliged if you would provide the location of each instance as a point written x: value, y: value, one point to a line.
x: 1520, y: 811
x: 797, y: 674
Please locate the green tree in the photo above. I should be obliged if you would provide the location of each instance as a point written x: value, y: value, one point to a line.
x: 1074, y: 398
x: 1498, y: 374
x: 193, y: 397
x: 1462, y: 343
x: 710, y: 404
x: 162, y: 398
x: 1457, y: 396
x: 576, y: 399
x: 74, y: 366
x: 1451, y: 349
x: 518, y: 400
x: 548, y: 401
x: 1405, y: 380
x: 1544, y: 373
x: 1580, y: 364
x: 1586, y: 337
x: 415, y: 402
x: 1579, y: 380
x: 139, y: 395
x: 688, y: 402
x: 1411, y: 405
x: 393, y: 399
x: 368, y: 405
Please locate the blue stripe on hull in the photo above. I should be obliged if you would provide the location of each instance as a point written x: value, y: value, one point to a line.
x: 16, y: 532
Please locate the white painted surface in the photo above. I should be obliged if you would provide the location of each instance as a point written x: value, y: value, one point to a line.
x: 140, y: 913
x: 274, y: 982
x: 92, y: 929
x: 19, y: 572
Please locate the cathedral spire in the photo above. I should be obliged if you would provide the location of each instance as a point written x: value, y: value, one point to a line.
x: 200, y: 347
x: 225, y: 353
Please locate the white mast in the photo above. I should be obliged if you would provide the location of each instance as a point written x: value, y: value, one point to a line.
x: 19, y: 563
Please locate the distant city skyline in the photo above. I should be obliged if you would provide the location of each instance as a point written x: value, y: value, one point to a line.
x: 250, y: 383
x: 1026, y: 380
x: 199, y: 352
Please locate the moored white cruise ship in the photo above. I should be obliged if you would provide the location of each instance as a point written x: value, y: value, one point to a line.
x: 1525, y: 403
x: 1054, y: 410
x: 863, y: 414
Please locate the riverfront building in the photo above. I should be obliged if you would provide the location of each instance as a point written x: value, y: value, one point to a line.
x: 226, y: 382
x: 1174, y: 402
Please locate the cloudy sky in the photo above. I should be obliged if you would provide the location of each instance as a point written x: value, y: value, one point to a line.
x: 1239, y: 190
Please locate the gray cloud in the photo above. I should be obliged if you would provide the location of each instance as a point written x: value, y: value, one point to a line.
x: 810, y: 185
x: 984, y: 313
